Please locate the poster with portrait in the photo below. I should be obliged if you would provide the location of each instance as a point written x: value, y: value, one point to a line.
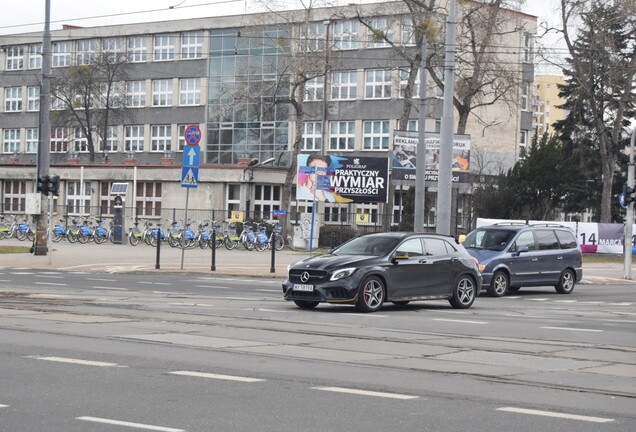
x: 342, y: 179
x: 403, y: 160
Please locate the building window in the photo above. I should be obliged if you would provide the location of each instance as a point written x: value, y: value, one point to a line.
x: 80, y: 141
x: 14, y: 196
x: 345, y: 34
x: 135, y: 93
x: 371, y: 210
x: 161, y: 138
x: 86, y: 51
x: 404, y: 80
x: 78, y: 198
x: 335, y: 213
x: 59, y: 144
x: 523, y: 143
x: 148, y: 199
x: 189, y: 91
x: 113, y: 47
x: 315, y: 37
x: 314, y: 89
x: 137, y: 49
x: 377, y: 84
x: 312, y: 136
x: 13, y: 99
x: 181, y: 142
x: 527, y: 48
x: 61, y: 54
x: 375, y: 135
x: 266, y: 200
x: 33, y: 98
x: 412, y: 125
x: 164, y: 47
x: 112, y: 140
x: 342, y: 135
x: 32, y: 140
x: 233, y: 198
x: 379, y: 33
x: 344, y: 85
x: 11, y: 141
x: 134, y: 138
x: 525, y: 89
x: 15, y: 57
x: 408, y: 31
x: 191, y: 45
x: 35, y: 56
x: 162, y: 92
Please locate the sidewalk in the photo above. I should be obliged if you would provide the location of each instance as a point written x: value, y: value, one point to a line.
x: 124, y: 258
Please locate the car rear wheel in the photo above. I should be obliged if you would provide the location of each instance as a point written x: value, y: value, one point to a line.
x: 463, y: 293
x: 372, y: 293
x: 566, y: 282
x: 499, y: 285
x: 306, y: 304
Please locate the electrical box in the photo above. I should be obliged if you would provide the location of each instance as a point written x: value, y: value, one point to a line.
x: 33, y: 203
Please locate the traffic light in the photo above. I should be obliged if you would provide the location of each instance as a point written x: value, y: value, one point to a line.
x: 54, y: 185
x: 44, y: 184
x: 628, y: 194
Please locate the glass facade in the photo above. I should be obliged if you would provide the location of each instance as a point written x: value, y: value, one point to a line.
x: 247, y: 117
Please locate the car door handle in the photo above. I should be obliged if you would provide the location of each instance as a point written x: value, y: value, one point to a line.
x: 424, y: 261
x: 560, y: 258
x: 535, y: 259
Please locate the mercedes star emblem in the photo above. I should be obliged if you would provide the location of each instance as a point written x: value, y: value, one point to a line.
x: 304, y: 277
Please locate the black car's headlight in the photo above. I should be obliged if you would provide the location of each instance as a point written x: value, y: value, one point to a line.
x: 343, y: 273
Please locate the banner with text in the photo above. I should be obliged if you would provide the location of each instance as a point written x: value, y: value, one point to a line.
x: 342, y: 179
x: 404, y: 157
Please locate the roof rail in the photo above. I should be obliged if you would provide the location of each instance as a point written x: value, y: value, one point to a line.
x: 550, y: 224
x: 510, y: 224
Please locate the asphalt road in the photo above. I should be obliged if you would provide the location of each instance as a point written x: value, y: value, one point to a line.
x: 99, y: 352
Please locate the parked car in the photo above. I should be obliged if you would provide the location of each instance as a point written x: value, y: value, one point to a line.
x: 511, y: 256
x: 372, y: 269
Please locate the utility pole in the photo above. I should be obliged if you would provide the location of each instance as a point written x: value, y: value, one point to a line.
x: 629, y: 214
x: 445, y: 179
x: 420, y: 168
x: 44, y: 141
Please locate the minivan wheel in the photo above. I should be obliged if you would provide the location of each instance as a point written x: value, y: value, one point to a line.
x: 372, y: 294
x: 499, y: 285
x: 463, y: 293
x: 306, y: 304
x: 566, y: 282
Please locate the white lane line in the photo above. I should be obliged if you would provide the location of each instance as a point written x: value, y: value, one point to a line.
x: 101, y: 280
x: 269, y: 290
x: 50, y: 283
x: 109, y: 288
x: 573, y: 329
x: 129, y: 424
x: 76, y: 361
x: 49, y: 276
x: 240, y: 298
x: 366, y: 393
x: 4, y: 406
x: 622, y: 321
x: 153, y: 283
x: 359, y: 315
x: 272, y: 310
x: 459, y: 321
x: 191, y: 304
x: 5, y: 280
x: 213, y: 287
x: 217, y: 376
x: 538, y: 299
x: 22, y: 273
x: 556, y: 415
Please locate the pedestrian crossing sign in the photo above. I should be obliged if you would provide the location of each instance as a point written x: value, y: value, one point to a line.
x: 189, y: 177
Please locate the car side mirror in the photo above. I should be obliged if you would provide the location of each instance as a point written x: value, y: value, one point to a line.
x: 519, y: 250
x: 397, y: 257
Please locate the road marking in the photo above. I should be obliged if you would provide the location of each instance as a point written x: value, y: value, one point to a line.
x: 153, y: 283
x: 556, y: 415
x: 191, y: 304
x: 110, y: 288
x: 217, y: 376
x: 459, y: 321
x: 240, y: 298
x: 49, y: 276
x: 565, y: 301
x: 366, y: 393
x: 272, y: 310
x: 622, y: 321
x: 269, y: 290
x: 50, y: 283
x: 5, y: 280
x: 101, y: 280
x: 213, y: 287
x: 538, y: 299
x: 129, y: 424
x: 573, y: 329
x: 4, y: 406
x: 76, y: 361
x: 359, y: 315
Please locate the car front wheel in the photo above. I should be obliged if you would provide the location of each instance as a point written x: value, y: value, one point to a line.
x: 499, y: 284
x: 566, y: 282
x: 371, y: 297
x: 463, y: 293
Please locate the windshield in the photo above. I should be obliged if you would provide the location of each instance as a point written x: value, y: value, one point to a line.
x: 367, y: 245
x: 495, y: 239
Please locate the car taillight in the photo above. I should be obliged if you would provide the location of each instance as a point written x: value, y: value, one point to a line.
x: 480, y: 267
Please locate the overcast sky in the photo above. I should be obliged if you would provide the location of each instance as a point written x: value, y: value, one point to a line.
x: 19, y: 16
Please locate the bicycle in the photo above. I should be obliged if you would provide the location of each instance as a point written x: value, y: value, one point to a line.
x: 276, y: 238
x: 59, y: 232
x: 203, y: 236
x: 246, y: 238
x: 230, y: 238
x: 4, y: 228
x: 261, y: 241
x: 100, y: 234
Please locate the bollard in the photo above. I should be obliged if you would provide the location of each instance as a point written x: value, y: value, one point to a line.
x: 213, y: 266
x: 272, y: 244
x: 333, y: 240
x: 159, y: 239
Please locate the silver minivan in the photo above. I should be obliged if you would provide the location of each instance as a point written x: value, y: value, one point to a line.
x: 515, y: 255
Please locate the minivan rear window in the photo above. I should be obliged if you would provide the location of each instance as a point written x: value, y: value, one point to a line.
x: 546, y: 240
x: 566, y: 239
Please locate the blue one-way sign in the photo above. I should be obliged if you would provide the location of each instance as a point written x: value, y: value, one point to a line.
x: 191, y: 156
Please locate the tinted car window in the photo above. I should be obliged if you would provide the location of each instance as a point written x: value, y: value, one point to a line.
x: 526, y: 238
x: 435, y: 247
x: 411, y: 248
x: 491, y: 239
x: 368, y: 245
x: 566, y: 239
x: 547, y: 240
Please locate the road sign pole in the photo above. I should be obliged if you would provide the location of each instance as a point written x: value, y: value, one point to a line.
x: 185, y: 221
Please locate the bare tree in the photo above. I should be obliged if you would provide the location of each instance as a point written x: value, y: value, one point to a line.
x: 91, y: 97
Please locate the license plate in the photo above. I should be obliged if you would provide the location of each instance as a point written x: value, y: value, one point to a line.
x: 301, y: 287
